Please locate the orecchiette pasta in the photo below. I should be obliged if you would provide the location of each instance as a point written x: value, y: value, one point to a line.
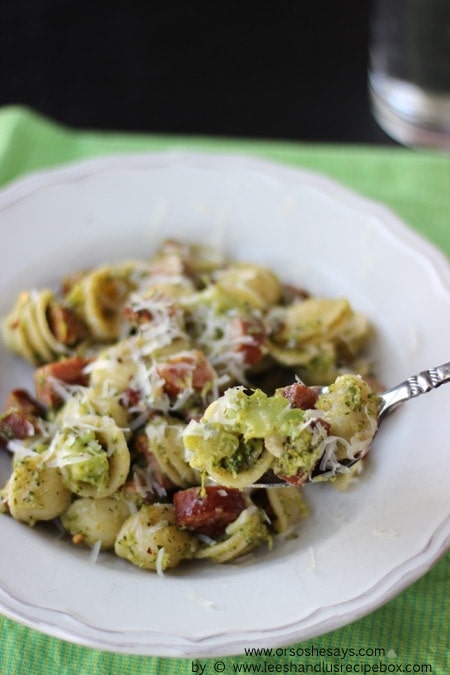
x: 84, y: 401
x: 241, y: 536
x: 350, y: 408
x: 36, y: 491
x: 92, y: 520
x: 164, y: 437
x: 152, y: 540
x: 92, y: 455
x: 315, y: 336
x: 155, y: 377
x: 26, y: 329
x: 224, y: 456
x: 115, y: 369
x: 288, y: 507
x: 251, y: 285
x: 99, y: 298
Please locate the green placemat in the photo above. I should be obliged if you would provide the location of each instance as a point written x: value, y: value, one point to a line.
x: 410, y: 634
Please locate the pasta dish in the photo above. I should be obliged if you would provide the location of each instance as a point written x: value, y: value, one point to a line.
x: 164, y: 389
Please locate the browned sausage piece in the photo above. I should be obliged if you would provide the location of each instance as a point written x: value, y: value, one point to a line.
x: 300, y: 396
x: 20, y: 399
x: 20, y: 419
x: 186, y: 370
x: 69, y: 371
x: 15, y: 424
x: 208, y: 510
x: 247, y: 337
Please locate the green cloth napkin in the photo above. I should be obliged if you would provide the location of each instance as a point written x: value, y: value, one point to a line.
x: 409, y: 633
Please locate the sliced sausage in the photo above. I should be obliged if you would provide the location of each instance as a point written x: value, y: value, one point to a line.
x: 16, y: 425
x: 300, y: 396
x: 246, y: 336
x: 47, y: 377
x: 20, y: 419
x: 186, y: 370
x: 208, y: 510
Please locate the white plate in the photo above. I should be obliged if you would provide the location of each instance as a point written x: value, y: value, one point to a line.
x: 358, y: 549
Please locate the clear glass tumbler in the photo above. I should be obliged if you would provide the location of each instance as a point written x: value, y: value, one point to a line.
x: 409, y: 70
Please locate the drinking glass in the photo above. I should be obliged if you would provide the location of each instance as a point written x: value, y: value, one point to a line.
x: 409, y: 70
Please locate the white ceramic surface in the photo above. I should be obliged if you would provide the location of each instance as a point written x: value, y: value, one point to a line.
x: 358, y: 549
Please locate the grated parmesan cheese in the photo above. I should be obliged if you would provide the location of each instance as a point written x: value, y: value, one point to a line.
x: 160, y: 561
x: 95, y: 551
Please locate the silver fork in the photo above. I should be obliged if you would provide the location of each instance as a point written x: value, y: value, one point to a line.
x: 414, y: 386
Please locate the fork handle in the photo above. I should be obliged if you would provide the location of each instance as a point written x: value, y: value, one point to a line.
x: 415, y: 385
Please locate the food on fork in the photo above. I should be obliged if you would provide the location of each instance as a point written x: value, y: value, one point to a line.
x: 244, y: 434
